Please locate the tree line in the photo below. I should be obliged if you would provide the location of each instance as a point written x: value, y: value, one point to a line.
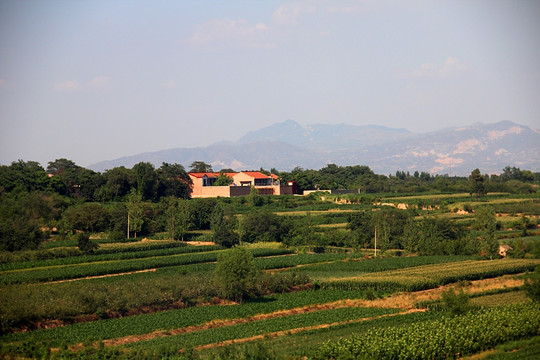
x: 363, y: 179
x: 67, y: 199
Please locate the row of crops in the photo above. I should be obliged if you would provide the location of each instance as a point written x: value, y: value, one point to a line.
x: 430, y: 276
x: 58, y: 272
x: 447, y: 338
x: 125, y: 254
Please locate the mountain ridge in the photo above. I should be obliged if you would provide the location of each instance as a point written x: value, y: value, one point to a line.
x: 287, y: 144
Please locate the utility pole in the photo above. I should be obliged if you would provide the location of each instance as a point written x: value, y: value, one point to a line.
x: 375, y: 240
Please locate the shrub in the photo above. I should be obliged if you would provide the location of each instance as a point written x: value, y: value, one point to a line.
x: 236, y: 273
x: 85, y: 244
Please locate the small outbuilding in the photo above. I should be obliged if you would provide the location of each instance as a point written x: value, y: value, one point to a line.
x: 503, y: 249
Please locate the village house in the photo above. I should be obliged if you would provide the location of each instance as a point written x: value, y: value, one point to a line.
x: 203, y: 184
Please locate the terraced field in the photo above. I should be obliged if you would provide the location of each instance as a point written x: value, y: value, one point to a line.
x: 306, y: 317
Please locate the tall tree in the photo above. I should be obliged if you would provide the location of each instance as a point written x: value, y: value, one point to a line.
x: 58, y: 166
x: 486, y: 223
x: 184, y: 218
x: 200, y: 166
x: 222, y: 228
x: 178, y: 217
x: 173, y: 180
x: 476, y: 183
x: 135, y: 212
x: 146, y: 180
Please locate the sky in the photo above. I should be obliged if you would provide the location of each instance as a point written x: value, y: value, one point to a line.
x: 97, y: 80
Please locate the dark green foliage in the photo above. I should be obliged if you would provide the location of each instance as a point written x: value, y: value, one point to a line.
x: 477, y: 185
x: 85, y: 244
x: 202, y: 210
x: 18, y: 230
x: 486, y: 224
x: 455, y: 303
x: 360, y: 224
x: 236, y: 274
x: 434, y: 236
x: 23, y: 176
x: 260, y: 226
x: 147, y: 181
x: 223, y: 180
x: 532, y: 285
x: 200, y: 166
x: 92, y: 217
x: 222, y: 227
x: 173, y: 180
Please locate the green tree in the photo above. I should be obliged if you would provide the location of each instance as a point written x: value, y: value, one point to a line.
x: 236, y: 274
x: 260, y: 225
x: 254, y: 197
x: 200, y: 166
x: 17, y: 230
x: 223, y: 180
x: 222, y: 228
x: 476, y: 183
x: 85, y: 244
x: 90, y: 217
x: 23, y: 176
x: 147, y: 181
x: 532, y: 285
x: 362, y: 231
x: 455, y: 303
x: 486, y: 224
x: 410, y: 235
x: 184, y: 217
x: 173, y: 180
x: 58, y: 166
x: 118, y: 183
x: 135, y: 213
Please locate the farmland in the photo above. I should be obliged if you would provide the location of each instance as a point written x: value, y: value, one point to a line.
x: 322, y: 290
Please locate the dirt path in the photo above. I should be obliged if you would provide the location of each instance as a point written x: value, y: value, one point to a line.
x: 404, y: 301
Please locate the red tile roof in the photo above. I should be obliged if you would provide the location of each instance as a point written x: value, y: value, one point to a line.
x: 210, y: 174
x: 256, y: 174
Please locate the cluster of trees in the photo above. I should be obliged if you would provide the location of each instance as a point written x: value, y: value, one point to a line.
x: 392, y: 228
x: 64, y: 177
x: 333, y: 177
x: 68, y: 198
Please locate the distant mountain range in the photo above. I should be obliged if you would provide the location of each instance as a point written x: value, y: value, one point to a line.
x: 285, y: 145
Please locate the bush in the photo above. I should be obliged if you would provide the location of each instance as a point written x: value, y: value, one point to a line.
x: 85, y: 244
x: 236, y: 273
x: 455, y: 303
x: 117, y: 236
x: 532, y: 285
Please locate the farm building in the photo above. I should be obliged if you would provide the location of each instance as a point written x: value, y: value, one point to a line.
x: 203, y: 184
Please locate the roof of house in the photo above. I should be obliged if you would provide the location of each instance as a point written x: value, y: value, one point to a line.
x: 256, y: 174
x: 210, y: 174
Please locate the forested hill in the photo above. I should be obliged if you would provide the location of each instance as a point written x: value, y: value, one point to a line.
x: 286, y: 145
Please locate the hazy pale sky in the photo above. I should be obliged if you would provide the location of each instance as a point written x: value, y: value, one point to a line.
x: 97, y: 80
